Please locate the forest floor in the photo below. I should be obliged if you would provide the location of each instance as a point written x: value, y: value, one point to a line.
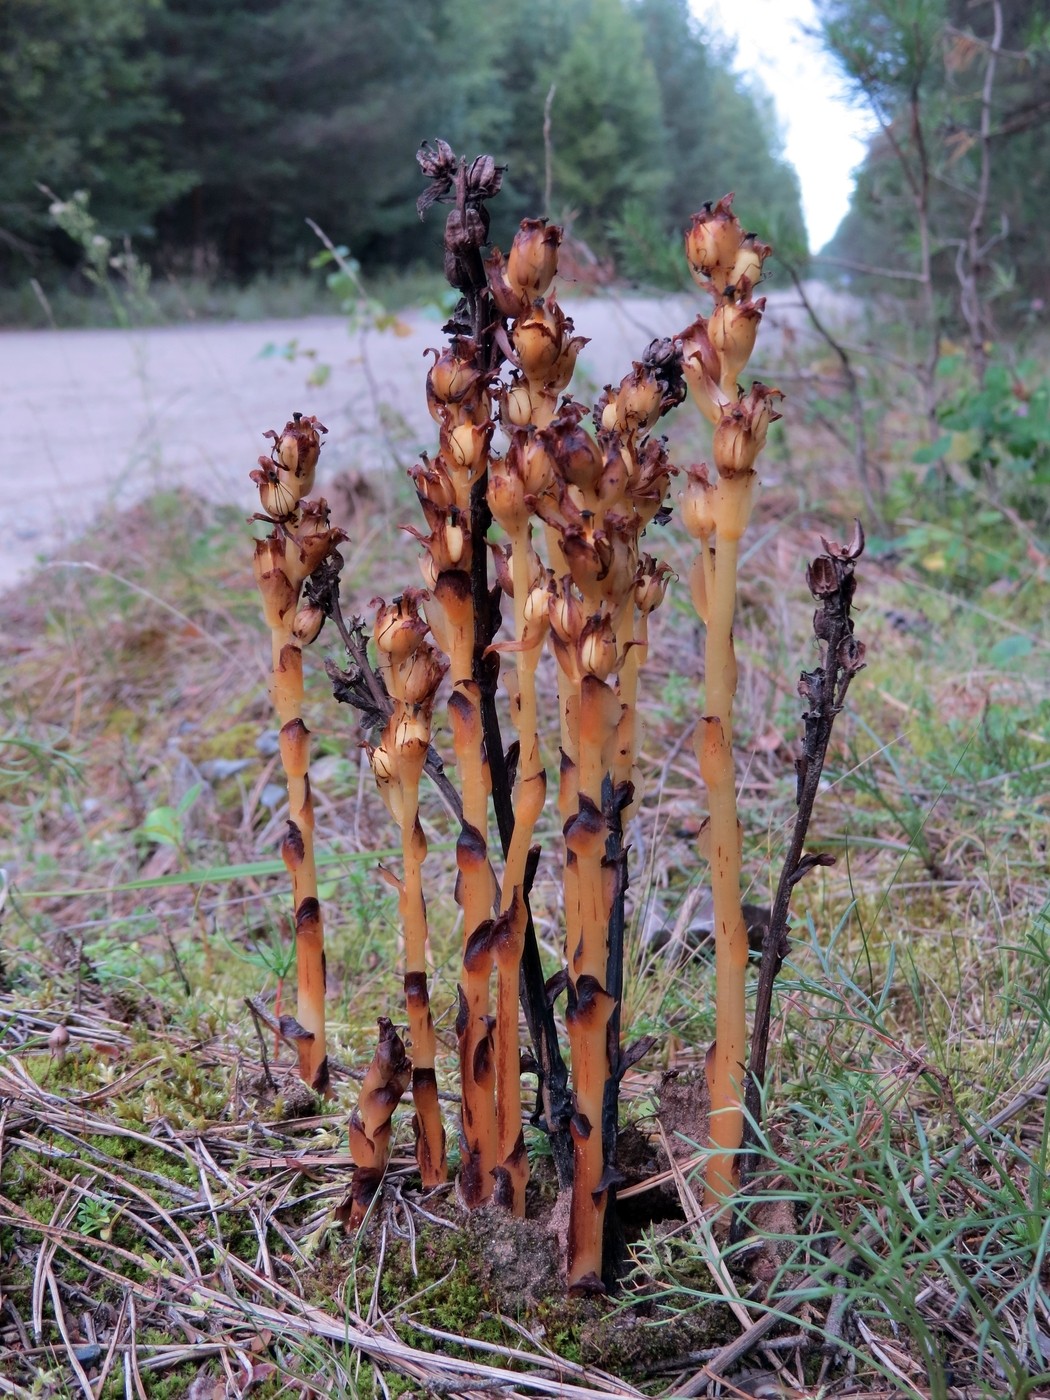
x: 167, y: 1201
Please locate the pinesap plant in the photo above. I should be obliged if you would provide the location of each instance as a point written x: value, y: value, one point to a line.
x: 573, y: 489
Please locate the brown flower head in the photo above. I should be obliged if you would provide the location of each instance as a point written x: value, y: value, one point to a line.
x: 636, y: 405
x: 732, y: 330
x: 506, y: 493
x: 747, y: 269
x: 578, y: 458
x: 741, y: 431
x: 537, y: 339
x: 398, y: 628
x: 702, y: 368
x: 312, y: 541
x: 533, y: 259
x: 596, y: 648
x: 420, y: 676
x: 650, y: 583
x: 698, y: 503
x: 297, y: 448
x: 712, y: 244
x: 433, y: 483
x: 307, y: 625
x: 454, y: 381
x: 278, y: 490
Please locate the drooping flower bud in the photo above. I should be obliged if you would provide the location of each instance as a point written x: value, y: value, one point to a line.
x: 307, y: 625
x: 506, y: 494
x: 454, y: 377
x: 515, y: 405
x: 698, y: 503
x: 741, y: 431
x: 538, y: 343
x: 747, y: 269
x: 297, y: 448
x: 533, y: 259
x: 650, y: 583
x: 732, y: 329
x: 398, y: 628
x: 702, y: 369
x: 420, y: 676
x: 712, y: 243
x: 464, y: 448
x: 278, y: 490
x: 597, y: 647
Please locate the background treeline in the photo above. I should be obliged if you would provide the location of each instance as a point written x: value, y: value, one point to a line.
x: 922, y: 68
x: 208, y: 132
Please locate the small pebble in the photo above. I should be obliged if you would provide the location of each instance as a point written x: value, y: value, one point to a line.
x: 217, y: 769
x: 273, y: 794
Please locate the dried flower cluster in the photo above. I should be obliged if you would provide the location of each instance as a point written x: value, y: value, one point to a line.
x: 727, y: 263
x: 573, y: 491
x: 300, y: 541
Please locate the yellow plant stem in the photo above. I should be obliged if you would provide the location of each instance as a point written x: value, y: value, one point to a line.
x: 476, y: 892
x: 430, y: 1133
x: 531, y: 791
x: 633, y: 627
x: 297, y: 850
x: 721, y: 841
x: 591, y: 1006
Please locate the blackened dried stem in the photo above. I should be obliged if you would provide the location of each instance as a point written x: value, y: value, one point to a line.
x: 484, y: 321
x: 614, y: 800
x: 825, y: 688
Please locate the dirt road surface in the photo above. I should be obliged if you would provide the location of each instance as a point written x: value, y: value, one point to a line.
x: 98, y: 419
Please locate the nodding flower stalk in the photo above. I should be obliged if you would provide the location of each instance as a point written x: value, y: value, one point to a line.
x: 521, y: 471
x: 727, y: 263
x: 458, y: 396
x: 603, y: 494
x: 300, y: 541
x: 384, y: 1083
x: 412, y: 671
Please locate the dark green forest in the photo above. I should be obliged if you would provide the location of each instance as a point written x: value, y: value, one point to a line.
x: 208, y: 133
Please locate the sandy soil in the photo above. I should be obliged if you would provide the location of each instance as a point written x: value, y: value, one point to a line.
x: 101, y: 418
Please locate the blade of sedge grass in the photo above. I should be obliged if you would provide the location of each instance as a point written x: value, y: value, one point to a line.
x: 219, y: 874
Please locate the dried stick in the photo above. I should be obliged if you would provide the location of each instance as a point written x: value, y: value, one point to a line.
x: 831, y: 581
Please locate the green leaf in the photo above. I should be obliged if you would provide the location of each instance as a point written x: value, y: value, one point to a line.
x: 933, y: 451
x: 189, y: 798
x: 163, y: 826
x: 1010, y: 649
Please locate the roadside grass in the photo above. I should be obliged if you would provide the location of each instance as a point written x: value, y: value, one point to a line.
x: 166, y: 1218
x: 181, y: 297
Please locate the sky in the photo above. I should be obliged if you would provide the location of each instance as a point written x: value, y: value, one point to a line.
x: 824, y: 135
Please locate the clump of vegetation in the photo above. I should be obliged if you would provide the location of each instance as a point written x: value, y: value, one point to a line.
x: 590, y: 593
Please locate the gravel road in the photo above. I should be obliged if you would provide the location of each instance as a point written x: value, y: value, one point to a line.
x: 101, y: 418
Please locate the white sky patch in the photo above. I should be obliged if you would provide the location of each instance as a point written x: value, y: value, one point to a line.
x: 824, y: 133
